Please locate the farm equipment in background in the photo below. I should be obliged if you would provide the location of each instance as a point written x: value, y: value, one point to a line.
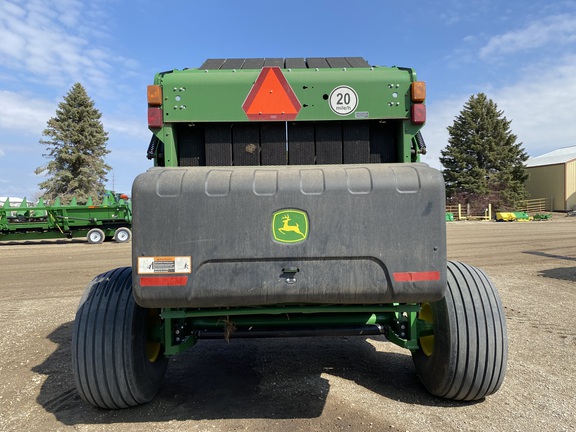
x: 112, y: 219
x: 287, y: 199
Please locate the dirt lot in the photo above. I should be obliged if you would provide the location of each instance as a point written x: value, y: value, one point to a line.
x: 319, y: 384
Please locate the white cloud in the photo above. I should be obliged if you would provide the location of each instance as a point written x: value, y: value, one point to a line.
x: 24, y: 113
x: 128, y: 127
x: 533, y: 90
x: 559, y: 30
x: 54, y: 42
x: 539, y: 104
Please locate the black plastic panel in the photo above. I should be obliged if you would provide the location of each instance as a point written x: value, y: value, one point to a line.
x: 375, y: 233
x: 191, y: 147
x: 246, y: 144
x: 218, y: 144
x: 288, y: 63
x: 273, y: 144
x: 303, y: 143
x: 356, y: 138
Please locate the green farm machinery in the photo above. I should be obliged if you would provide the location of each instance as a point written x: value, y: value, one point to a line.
x: 112, y: 219
x: 287, y: 199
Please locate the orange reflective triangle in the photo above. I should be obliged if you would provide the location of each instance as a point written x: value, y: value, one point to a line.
x: 271, y: 97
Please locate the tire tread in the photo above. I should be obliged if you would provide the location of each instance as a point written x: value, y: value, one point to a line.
x: 471, y: 338
x: 109, y: 369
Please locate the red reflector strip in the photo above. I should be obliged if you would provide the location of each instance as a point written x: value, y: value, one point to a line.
x: 425, y: 276
x: 155, y: 117
x: 163, y: 280
x: 418, y: 113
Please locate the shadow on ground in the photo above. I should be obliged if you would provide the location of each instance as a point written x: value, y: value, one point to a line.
x: 245, y: 378
x: 33, y: 242
x: 548, y: 255
x: 563, y: 273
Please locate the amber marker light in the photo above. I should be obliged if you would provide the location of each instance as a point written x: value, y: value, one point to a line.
x: 418, y: 91
x: 154, y: 95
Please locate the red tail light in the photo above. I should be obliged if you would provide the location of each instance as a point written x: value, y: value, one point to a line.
x: 155, y: 117
x: 418, y: 113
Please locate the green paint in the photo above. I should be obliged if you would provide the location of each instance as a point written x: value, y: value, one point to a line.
x: 402, y: 327
x: 28, y: 222
x: 290, y: 226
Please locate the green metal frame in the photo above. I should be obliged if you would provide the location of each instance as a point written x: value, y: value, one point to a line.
x: 180, y: 326
x: 194, y: 95
x: 43, y: 221
x: 217, y: 95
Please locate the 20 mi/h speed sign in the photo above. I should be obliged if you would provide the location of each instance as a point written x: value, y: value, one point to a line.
x: 343, y: 100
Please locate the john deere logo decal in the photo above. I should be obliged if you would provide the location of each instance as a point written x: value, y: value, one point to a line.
x: 290, y: 226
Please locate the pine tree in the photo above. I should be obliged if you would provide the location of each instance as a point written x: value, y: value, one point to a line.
x: 482, y: 162
x: 76, y: 143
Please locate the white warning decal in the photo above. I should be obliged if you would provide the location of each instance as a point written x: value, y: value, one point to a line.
x: 164, y: 264
x: 343, y: 100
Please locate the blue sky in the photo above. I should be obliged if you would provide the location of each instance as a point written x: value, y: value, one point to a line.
x: 522, y: 54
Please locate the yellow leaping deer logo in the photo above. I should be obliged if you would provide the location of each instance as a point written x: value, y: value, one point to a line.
x: 290, y: 226
x: 286, y: 227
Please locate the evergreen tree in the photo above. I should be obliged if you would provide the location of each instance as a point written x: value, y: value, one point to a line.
x: 76, y: 143
x: 482, y: 162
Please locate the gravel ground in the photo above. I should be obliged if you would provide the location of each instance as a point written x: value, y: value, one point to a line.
x: 309, y: 384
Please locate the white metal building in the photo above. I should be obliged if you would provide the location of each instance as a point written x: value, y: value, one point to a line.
x: 553, y: 176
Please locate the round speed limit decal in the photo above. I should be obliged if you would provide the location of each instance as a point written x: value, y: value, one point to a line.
x: 343, y: 100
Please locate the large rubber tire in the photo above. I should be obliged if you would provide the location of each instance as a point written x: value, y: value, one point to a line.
x: 466, y: 357
x: 113, y: 362
x: 122, y: 235
x: 95, y: 236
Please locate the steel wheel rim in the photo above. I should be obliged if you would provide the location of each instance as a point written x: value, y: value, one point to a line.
x: 95, y: 237
x: 153, y: 347
x: 426, y: 342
